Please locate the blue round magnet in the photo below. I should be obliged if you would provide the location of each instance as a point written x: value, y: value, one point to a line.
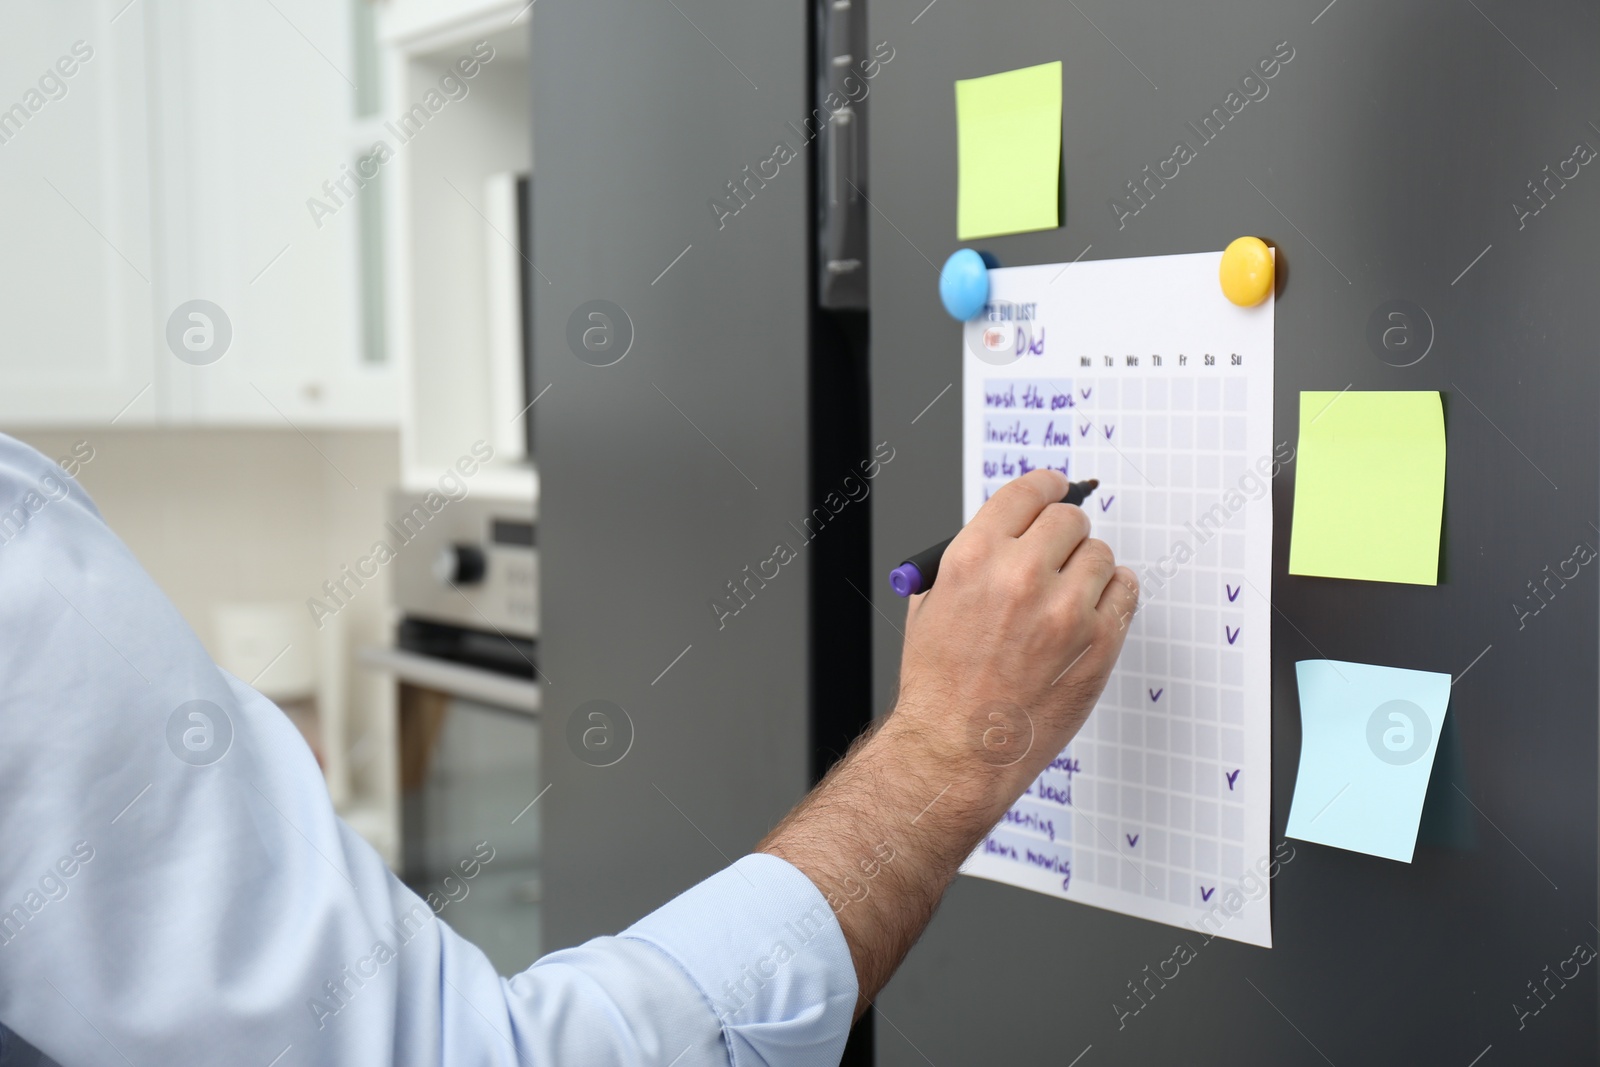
x: 964, y: 284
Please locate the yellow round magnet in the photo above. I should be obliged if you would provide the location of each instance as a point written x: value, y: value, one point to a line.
x: 1246, y: 271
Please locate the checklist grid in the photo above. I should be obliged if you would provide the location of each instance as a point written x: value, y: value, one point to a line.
x: 1159, y: 807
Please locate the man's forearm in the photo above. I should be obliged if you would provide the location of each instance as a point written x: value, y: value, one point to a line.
x: 884, y: 834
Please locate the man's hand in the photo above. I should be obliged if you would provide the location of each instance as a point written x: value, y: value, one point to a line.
x: 1004, y: 659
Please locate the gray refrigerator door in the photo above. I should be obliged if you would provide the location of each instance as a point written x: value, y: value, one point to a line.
x: 1393, y: 151
x: 677, y: 468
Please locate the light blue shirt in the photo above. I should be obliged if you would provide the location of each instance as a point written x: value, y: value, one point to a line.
x: 175, y: 887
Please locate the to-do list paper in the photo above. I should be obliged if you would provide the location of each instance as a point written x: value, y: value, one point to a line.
x: 1140, y: 373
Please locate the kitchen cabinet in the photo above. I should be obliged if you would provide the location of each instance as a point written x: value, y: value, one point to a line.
x: 77, y: 264
x: 265, y: 201
x: 199, y: 153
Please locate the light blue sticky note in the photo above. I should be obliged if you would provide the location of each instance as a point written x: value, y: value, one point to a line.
x: 1367, y: 740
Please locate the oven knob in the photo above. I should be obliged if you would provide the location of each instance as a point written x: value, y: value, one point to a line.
x: 459, y: 564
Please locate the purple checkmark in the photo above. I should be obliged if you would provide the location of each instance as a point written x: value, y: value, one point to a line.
x: 1133, y: 839
x: 1106, y: 503
x: 1234, y: 777
x: 1205, y: 894
x: 1233, y: 634
x: 1155, y: 694
x: 1083, y: 431
x: 1233, y: 591
x: 1085, y: 392
x: 1109, y: 430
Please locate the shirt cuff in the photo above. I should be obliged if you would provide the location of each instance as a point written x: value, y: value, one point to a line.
x: 766, y: 951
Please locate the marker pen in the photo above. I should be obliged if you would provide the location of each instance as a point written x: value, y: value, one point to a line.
x: 916, y: 574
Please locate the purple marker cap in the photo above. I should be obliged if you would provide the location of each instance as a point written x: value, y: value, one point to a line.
x: 906, y: 579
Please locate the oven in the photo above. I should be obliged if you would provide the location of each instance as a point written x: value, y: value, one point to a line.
x: 466, y: 587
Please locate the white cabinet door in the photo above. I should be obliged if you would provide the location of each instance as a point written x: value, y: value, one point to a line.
x: 76, y: 298
x: 263, y: 217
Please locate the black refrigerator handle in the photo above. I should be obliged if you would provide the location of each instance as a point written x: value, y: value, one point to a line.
x: 840, y: 99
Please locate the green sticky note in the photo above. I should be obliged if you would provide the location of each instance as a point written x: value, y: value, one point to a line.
x: 1369, y: 487
x: 1008, y: 132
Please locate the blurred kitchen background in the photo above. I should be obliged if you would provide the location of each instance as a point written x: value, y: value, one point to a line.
x: 262, y: 274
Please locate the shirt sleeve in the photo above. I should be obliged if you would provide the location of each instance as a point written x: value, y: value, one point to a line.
x: 176, y: 888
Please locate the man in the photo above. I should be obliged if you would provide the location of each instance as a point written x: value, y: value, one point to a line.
x: 163, y: 902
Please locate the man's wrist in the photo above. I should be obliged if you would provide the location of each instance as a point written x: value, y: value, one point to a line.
x: 969, y: 774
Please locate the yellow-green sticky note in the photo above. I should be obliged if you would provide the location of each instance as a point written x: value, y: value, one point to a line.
x: 1008, y: 133
x: 1369, y: 487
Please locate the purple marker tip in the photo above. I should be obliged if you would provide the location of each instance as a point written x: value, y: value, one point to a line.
x: 906, y: 579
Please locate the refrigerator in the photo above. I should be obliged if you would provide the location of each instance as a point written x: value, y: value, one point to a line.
x: 700, y: 358
x: 1403, y: 153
